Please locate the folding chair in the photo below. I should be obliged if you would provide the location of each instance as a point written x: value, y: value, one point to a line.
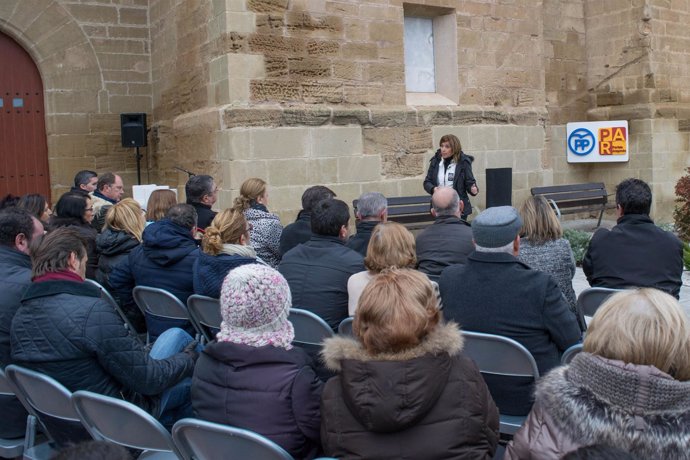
x: 11, y: 448
x: 589, y: 300
x: 49, y: 401
x: 345, y: 326
x: 498, y: 355
x: 202, y: 440
x: 570, y: 353
x: 120, y: 422
x: 161, y: 303
x: 105, y: 295
x: 310, y: 331
x: 205, y: 314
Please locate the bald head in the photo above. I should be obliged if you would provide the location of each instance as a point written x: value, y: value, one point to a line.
x: 446, y: 202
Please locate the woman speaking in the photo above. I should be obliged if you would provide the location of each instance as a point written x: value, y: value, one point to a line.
x: 451, y: 167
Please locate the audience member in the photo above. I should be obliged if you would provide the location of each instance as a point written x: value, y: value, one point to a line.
x: 629, y: 387
x: 109, y: 191
x: 543, y: 248
x: 372, y: 208
x: 124, y: 225
x: 18, y: 232
x: 264, y: 227
x: 75, y: 210
x: 37, y: 205
x: 404, y: 389
x: 448, y: 240
x: 202, y: 193
x: 252, y: 367
x: 317, y: 271
x: 391, y: 246
x: 495, y: 293
x: 225, y: 246
x: 165, y: 260
x: 9, y: 201
x: 300, y: 230
x: 85, y: 182
x: 160, y: 201
x: 635, y: 253
x: 65, y: 330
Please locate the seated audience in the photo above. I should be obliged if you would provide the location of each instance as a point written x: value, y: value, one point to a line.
x: 372, y: 208
x: 448, y: 240
x: 124, y: 225
x: 109, y: 191
x: 65, y: 330
x: 202, y: 193
x: 404, y: 389
x: 252, y: 377
x: 391, y: 246
x: 317, y: 271
x: 264, y: 227
x: 158, y: 204
x: 37, y: 205
x: 9, y: 201
x: 629, y: 387
x: 165, y: 259
x: 18, y: 232
x: 225, y: 246
x: 75, y: 210
x: 543, y: 247
x: 85, y: 182
x: 300, y: 230
x: 497, y: 294
x: 634, y: 253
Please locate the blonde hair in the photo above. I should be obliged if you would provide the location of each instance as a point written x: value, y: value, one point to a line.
x: 391, y: 246
x: 397, y: 310
x: 250, y: 190
x: 159, y: 203
x: 455, y: 145
x: 227, y: 228
x: 642, y: 326
x: 126, y: 216
x: 539, y: 221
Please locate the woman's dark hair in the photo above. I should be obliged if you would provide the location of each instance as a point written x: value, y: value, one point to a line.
x: 72, y: 205
x: 35, y: 203
x: 8, y: 201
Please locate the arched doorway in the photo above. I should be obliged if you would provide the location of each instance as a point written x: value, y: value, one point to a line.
x: 23, y: 148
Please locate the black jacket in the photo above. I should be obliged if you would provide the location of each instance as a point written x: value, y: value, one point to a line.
x: 205, y: 213
x: 497, y: 294
x: 462, y: 181
x: 296, y: 233
x: 63, y: 329
x: 88, y: 233
x: 360, y: 241
x: 317, y: 272
x: 113, y: 247
x: 269, y: 390
x: 635, y: 253
x: 210, y: 272
x: 446, y: 242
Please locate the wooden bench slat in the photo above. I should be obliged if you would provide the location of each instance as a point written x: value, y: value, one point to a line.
x: 586, y: 194
x: 567, y: 188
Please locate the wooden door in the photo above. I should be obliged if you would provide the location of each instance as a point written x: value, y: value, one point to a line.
x: 23, y: 148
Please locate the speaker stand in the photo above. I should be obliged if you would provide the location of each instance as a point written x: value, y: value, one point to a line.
x: 138, y: 166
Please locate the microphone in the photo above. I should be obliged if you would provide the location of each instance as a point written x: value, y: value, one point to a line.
x: 189, y: 173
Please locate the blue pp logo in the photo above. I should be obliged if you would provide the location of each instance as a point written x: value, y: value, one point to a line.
x: 581, y: 141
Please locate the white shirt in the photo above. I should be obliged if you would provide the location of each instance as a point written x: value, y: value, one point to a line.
x: 445, y: 177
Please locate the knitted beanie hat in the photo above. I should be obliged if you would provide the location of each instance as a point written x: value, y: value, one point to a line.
x: 496, y: 227
x: 255, y: 302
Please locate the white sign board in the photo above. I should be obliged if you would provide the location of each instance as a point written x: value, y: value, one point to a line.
x: 597, y: 142
x: 141, y: 193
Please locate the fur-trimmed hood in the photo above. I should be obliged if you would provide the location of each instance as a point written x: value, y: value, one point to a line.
x: 389, y: 392
x: 638, y: 408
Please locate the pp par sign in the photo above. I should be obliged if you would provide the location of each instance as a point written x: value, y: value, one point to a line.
x: 597, y: 142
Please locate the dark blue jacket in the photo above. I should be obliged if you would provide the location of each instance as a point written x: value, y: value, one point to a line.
x: 210, y: 272
x: 164, y: 260
x: 317, y: 272
x: 269, y: 390
x: 360, y: 241
x: 296, y: 233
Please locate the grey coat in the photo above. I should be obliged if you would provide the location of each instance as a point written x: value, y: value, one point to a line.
x: 555, y: 258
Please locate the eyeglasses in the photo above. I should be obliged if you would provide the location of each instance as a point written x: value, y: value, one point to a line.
x: 89, y: 209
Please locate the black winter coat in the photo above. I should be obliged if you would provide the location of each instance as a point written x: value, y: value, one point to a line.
x: 88, y: 233
x: 210, y: 272
x: 63, y: 329
x: 635, y: 253
x: 205, y: 215
x: 317, y: 272
x: 113, y: 247
x: 360, y: 241
x: 269, y: 390
x: 462, y: 181
x: 296, y: 233
x: 428, y: 402
x: 446, y: 242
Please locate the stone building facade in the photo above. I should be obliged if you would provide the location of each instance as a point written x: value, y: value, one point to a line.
x: 302, y: 92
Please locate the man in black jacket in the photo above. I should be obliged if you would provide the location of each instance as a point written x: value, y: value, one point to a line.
x: 495, y: 293
x: 300, y: 230
x: 372, y: 208
x: 63, y: 329
x: 202, y: 193
x: 635, y: 252
x: 449, y: 240
x: 18, y: 230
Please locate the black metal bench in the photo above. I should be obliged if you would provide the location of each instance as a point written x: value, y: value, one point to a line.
x: 412, y: 211
x: 576, y: 198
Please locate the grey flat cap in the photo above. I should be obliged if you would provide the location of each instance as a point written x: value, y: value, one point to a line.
x: 496, y: 227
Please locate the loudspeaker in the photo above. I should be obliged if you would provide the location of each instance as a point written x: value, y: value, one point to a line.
x: 499, y: 187
x: 133, y: 129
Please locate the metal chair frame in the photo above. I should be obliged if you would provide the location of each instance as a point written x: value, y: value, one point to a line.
x: 205, y: 315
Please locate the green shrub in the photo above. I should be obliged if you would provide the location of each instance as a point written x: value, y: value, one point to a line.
x: 579, y: 240
x: 686, y: 255
x: 681, y: 215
